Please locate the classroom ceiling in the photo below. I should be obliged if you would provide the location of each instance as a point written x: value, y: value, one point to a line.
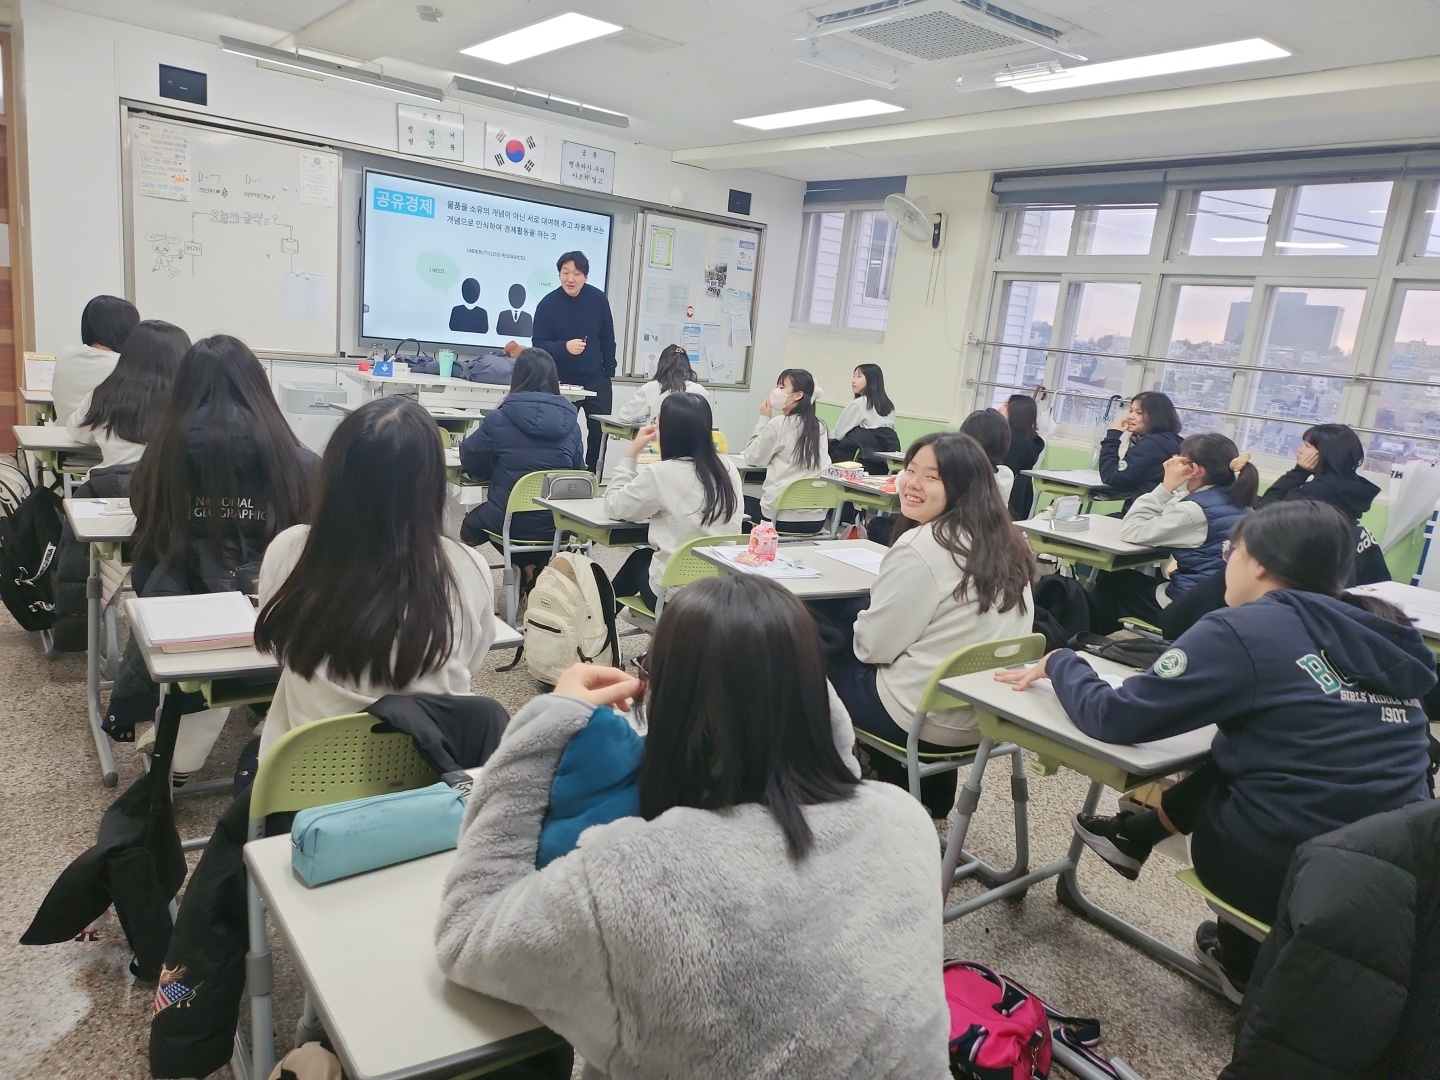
x: 685, y: 70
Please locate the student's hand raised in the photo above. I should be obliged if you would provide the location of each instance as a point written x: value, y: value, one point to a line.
x: 597, y: 685
x: 1178, y: 471
x: 1023, y: 678
x: 644, y: 436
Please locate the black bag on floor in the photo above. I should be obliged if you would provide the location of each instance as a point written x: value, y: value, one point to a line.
x: 1061, y: 610
x: 29, y: 541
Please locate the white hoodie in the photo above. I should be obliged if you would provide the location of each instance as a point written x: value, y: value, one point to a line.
x: 79, y: 369
x: 645, y: 405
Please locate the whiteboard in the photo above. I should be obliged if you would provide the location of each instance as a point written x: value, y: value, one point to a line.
x: 696, y: 285
x: 235, y: 234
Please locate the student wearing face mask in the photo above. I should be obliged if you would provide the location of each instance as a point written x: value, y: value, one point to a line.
x: 790, y: 443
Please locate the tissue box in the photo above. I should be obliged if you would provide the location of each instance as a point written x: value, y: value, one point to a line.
x: 1073, y: 525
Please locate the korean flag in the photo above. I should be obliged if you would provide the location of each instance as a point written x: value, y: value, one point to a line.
x: 512, y: 151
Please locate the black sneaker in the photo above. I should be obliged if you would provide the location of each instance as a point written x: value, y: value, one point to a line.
x: 1210, y: 954
x: 1102, y: 836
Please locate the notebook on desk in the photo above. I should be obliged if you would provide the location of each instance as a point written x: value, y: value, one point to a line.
x: 177, y: 624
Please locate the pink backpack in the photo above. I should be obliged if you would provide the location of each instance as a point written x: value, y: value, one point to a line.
x: 1001, y: 1031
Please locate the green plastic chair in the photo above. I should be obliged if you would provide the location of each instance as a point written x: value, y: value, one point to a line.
x: 522, y: 501
x: 810, y: 493
x: 1247, y: 924
x: 328, y: 761
x: 683, y: 568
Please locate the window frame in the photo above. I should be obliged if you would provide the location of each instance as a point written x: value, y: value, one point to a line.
x: 844, y: 279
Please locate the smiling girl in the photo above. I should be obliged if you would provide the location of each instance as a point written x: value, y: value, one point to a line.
x: 957, y: 573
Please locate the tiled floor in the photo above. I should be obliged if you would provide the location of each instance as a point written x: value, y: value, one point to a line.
x: 72, y: 1010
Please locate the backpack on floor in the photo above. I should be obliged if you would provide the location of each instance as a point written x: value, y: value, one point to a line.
x: 29, y: 542
x: 1062, y: 610
x: 1001, y: 1031
x: 570, y: 617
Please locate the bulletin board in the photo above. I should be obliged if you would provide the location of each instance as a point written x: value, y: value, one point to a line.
x: 695, y: 285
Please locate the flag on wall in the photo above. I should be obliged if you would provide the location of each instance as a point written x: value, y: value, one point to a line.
x: 512, y: 151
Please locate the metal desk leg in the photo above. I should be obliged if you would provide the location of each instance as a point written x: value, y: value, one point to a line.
x: 1069, y: 893
x: 93, y: 675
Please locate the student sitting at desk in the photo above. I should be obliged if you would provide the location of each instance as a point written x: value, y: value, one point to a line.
x: 1316, y: 696
x: 692, y: 491
x: 373, y: 599
x: 119, y: 415
x: 867, y: 425
x: 1207, y: 488
x: 1154, y: 428
x: 104, y: 325
x: 673, y: 375
x: 790, y: 443
x: 222, y: 475
x: 759, y: 912
x: 533, y: 430
x: 957, y: 573
x: 1026, y: 449
x: 991, y: 430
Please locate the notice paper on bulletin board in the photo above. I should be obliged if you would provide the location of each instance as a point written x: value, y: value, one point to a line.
x: 697, y: 289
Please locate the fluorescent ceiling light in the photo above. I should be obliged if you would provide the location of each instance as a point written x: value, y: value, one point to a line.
x: 545, y: 36
x: 310, y: 66
x: 1167, y: 63
x: 538, y: 99
x: 1328, y: 245
x: 879, y: 72
x: 821, y: 114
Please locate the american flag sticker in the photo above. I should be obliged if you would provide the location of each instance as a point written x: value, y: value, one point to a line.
x: 173, y: 989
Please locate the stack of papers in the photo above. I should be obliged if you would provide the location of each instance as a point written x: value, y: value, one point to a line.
x: 782, y: 567
x: 176, y: 624
x: 861, y: 558
x: 93, y: 508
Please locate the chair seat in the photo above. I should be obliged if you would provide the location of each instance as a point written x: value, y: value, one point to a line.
x: 499, y: 542
x: 635, y: 604
x: 960, y: 753
x: 1191, y: 880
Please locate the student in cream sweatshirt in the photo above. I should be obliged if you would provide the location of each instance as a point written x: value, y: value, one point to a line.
x: 691, y: 492
x: 791, y: 443
x: 731, y: 927
x: 120, y: 414
x: 673, y: 375
x: 867, y: 424
x: 104, y: 325
x: 957, y: 573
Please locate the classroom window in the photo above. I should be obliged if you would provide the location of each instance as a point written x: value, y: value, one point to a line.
x: 1413, y: 354
x: 1229, y: 222
x: 1337, y: 219
x: 1115, y: 230
x: 1041, y: 230
x: 1100, y: 320
x: 1027, y: 318
x: 1429, y: 226
x: 1209, y: 325
x: 847, y: 259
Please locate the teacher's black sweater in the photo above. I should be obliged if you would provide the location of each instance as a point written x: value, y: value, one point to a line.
x: 560, y: 317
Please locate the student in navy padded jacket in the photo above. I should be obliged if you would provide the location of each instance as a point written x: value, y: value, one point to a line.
x: 1316, y: 695
x: 1154, y: 428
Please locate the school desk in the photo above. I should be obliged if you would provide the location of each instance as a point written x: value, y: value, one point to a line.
x: 387, y: 1008
x: 750, y: 475
x: 1034, y: 720
x: 1084, y: 483
x: 436, y: 391
x: 894, y: 459
x: 42, y: 401
x: 587, y: 519
x: 51, y: 447
x: 104, y: 526
x: 1099, y: 545
x: 1422, y: 605
x: 837, y: 579
x: 868, y: 494
x: 613, y: 428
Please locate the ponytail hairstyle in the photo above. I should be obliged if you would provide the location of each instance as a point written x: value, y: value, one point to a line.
x: 673, y: 370
x: 1024, y: 416
x: 807, y: 447
x: 874, y: 392
x: 1341, y: 453
x: 1309, y: 546
x: 128, y: 403
x: 685, y: 426
x: 996, y: 563
x: 1225, y: 466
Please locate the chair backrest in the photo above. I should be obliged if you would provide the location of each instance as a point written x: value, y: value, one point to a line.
x: 980, y: 657
x: 685, y: 566
x: 335, y: 760
x: 527, y: 489
x: 809, y: 493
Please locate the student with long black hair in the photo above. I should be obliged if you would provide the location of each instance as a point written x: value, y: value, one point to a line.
x: 690, y: 492
x: 1154, y: 428
x: 747, y: 825
x: 866, y: 425
x: 1207, y: 488
x: 790, y: 443
x: 673, y: 375
x: 533, y: 429
x: 104, y: 325
x: 991, y: 430
x: 222, y: 476
x: 1316, y: 693
x: 1027, y: 446
x: 372, y: 599
x: 120, y: 414
x: 957, y: 573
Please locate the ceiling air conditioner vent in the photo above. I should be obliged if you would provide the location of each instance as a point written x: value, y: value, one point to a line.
x: 936, y: 35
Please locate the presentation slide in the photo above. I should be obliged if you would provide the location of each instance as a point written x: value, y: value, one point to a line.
x: 465, y: 268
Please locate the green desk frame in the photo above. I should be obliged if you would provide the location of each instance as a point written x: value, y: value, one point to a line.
x: 1070, y: 552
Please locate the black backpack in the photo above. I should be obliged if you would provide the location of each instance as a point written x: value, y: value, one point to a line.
x: 1062, y: 610
x: 29, y: 541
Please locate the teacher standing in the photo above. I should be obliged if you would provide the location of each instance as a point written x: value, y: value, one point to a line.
x: 573, y: 324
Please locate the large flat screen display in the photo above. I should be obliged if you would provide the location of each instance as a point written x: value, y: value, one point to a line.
x: 466, y: 268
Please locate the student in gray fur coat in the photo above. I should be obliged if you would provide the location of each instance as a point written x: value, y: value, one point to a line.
x: 766, y: 915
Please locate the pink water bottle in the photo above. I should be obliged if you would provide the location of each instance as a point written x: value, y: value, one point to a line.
x: 764, y: 541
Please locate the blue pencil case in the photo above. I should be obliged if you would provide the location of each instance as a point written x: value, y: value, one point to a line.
x: 328, y: 843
